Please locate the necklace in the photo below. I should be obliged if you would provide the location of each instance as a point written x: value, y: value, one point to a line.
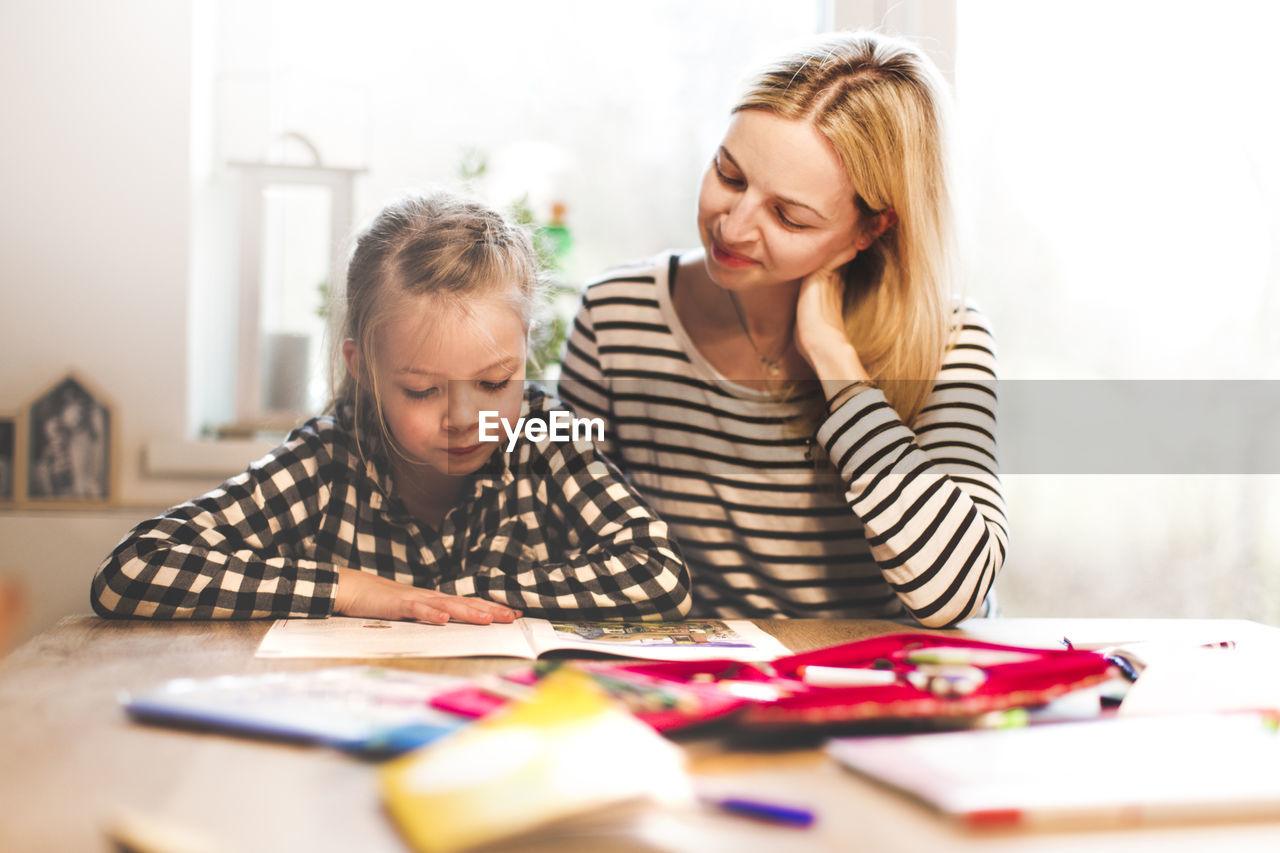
x: 771, y: 366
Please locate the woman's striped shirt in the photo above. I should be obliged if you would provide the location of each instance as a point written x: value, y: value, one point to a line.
x: 899, y: 523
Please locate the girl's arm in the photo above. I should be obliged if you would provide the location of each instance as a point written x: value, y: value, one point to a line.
x: 238, y: 552
x: 618, y: 560
x: 621, y: 547
x: 374, y: 597
x: 247, y: 550
x: 930, y: 499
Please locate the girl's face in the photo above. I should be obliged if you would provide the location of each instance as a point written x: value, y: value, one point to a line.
x: 438, y: 368
x: 775, y: 205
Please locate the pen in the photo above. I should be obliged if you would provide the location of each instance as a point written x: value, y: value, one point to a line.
x: 760, y: 810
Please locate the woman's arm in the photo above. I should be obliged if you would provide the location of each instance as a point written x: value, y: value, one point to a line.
x: 930, y: 499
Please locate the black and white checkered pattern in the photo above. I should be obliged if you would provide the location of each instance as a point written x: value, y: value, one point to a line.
x: 550, y: 528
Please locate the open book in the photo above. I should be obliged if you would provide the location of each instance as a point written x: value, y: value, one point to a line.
x: 528, y: 638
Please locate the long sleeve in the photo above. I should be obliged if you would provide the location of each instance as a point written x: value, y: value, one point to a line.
x: 582, y: 384
x: 240, y: 551
x: 930, y: 500
x: 601, y: 552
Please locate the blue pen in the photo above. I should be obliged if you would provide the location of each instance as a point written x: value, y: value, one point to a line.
x: 770, y: 812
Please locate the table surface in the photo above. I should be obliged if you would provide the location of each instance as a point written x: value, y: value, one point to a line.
x: 72, y: 761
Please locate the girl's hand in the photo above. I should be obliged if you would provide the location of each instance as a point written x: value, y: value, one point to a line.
x: 820, y: 336
x: 372, y: 597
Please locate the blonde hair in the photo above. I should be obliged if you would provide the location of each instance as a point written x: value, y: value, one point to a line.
x: 438, y: 245
x: 882, y: 105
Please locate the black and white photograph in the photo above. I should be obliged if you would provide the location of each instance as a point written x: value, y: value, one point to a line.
x: 8, y: 456
x: 70, y: 445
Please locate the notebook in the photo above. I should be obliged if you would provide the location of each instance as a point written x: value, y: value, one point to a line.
x: 528, y: 638
x: 1107, y: 772
x: 566, y: 761
x: 370, y: 710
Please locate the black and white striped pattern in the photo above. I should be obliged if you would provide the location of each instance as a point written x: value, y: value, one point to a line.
x: 550, y: 528
x: 912, y: 526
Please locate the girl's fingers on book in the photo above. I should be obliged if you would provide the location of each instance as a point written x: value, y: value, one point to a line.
x: 473, y: 611
x: 483, y: 608
x: 371, y: 596
x: 420, y: 611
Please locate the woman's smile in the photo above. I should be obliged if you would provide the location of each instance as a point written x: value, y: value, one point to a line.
x: 729, y: 258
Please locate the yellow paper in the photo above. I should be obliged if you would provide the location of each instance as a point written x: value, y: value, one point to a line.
x: 566, y: 751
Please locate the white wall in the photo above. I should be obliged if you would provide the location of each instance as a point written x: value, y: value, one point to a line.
x: 96, y: 105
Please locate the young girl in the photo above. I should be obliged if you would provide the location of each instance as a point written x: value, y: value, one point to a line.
x: 393, y: 505
x: 822, y: 298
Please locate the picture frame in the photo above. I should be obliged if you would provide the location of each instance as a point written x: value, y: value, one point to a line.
x: 69, y: 446
x: 10, y: 456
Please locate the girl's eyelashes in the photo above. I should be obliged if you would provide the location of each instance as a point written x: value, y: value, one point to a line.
x: 421, y: 393
x: 427, y: 393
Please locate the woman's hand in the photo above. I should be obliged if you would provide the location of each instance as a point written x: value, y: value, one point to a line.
x: 820, y: 336
x: 372, y: 597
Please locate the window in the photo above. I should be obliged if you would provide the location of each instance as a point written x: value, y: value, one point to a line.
x: 606, y: 109
x: 1122, y: 206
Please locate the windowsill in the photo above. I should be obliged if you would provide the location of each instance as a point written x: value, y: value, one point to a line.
x: 217, y: 459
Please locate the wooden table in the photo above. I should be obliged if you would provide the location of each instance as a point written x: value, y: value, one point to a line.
x: 70, y: 760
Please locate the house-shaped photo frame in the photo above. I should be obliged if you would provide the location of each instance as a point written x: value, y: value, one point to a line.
x: 69, y: 446
x: 10, y: 457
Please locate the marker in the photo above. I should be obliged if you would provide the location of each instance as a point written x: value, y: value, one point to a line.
x: 967, y: 656
x: 844, y: 676
x: 759, y: 810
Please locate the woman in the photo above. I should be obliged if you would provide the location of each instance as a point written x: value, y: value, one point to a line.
x: 803, y: 400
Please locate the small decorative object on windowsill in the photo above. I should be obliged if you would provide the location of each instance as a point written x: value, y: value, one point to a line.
x: 69, y: 448
x: 9, y: 458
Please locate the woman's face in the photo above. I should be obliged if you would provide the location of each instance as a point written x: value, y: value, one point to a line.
x: 775, y: 205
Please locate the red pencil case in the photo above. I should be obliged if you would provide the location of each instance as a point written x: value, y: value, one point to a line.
x: 1012, y: 677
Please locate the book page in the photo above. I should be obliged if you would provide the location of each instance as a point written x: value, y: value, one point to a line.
x: 1113, y: 771
x: 707, y: 639
x: 1183, y: 680
x: 352, y: 637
